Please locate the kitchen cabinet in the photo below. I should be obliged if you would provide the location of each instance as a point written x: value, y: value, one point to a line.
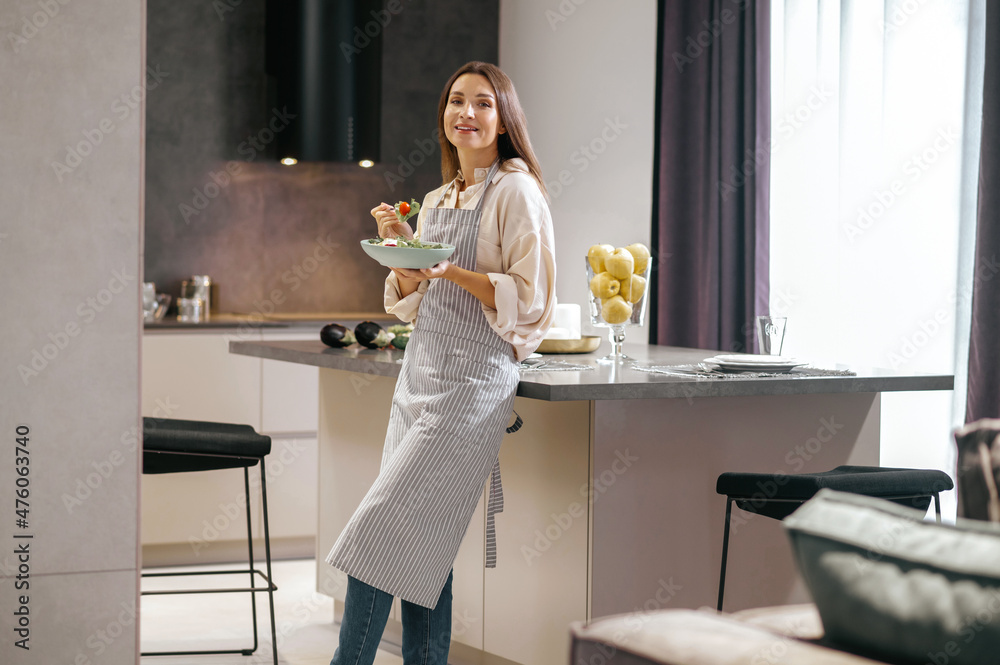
x: 199, y: 517
x: 289, y: 393
x: 192, y: 376
x: 292, y: 486
x: 542, y: 535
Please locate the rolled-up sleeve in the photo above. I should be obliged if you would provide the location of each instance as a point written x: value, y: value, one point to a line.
x: 403, y: 308
x: 525, y: 290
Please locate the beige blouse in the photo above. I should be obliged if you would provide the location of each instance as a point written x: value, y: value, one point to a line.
x: 515, y: 250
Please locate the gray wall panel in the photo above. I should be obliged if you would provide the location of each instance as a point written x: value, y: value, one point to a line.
x: 71, y: 79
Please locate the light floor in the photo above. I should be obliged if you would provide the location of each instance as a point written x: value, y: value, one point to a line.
x: 304, y: 619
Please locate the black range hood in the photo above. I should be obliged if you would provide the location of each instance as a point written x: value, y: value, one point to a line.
x: 324, y: 65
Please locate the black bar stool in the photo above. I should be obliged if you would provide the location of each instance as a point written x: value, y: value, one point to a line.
x: 178, y: 446
x: 777, y: 495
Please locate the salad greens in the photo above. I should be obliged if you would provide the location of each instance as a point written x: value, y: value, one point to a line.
x: 404, y: 242
x: 406, y: 210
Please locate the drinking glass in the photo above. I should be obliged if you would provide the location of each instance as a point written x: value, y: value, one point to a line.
x: 190, y: 310
x: 770, y: 334
x: 148, y: 296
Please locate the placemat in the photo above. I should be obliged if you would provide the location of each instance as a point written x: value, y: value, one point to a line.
x: 706, y: 371
x: 538, y: 365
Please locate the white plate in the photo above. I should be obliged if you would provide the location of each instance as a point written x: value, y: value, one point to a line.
x: 755, y: 359
x: 759, y: 363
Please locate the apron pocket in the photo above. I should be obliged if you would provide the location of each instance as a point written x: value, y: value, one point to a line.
x: 474, y: 403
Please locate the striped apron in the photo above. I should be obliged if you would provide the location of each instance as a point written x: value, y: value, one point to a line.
x: 451, y: 404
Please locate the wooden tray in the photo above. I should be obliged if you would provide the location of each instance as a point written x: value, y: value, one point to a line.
x: 585, y: 344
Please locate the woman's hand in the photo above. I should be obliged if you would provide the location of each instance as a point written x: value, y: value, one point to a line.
x: 409, y: 279
x: 423, y: 274
x: 389, y: 225
x: 478, y: 284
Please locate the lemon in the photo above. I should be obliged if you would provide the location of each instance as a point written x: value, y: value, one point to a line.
x: 616, y: 310
x: 620, y: 263
x: 596, y: 256
x: 640, y: 253
x: 603, y: 285
x: 632, y: 288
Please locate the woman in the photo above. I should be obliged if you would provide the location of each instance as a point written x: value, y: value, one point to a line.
x: 480, y: 313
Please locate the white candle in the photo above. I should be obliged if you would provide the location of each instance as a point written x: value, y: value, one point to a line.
x: 566, y: 322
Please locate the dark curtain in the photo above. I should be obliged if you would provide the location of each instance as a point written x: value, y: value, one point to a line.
x: 984, y: 346
x: 711, y: 173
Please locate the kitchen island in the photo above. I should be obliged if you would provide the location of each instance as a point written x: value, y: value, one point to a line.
x: 609, y: 487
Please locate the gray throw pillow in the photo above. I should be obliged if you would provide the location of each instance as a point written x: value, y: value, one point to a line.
x: 889, y: 584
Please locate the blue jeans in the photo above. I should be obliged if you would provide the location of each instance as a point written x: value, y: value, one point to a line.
x: 426, y: 633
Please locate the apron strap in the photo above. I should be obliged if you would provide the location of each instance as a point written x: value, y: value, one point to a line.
x: 494, y: 506
x: 517, y: 424
x: 489, y: 181
x: 482, y: 195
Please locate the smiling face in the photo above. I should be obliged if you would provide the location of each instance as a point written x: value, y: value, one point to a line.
x: 471, y: 121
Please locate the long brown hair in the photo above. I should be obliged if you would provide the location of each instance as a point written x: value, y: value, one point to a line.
x: 512, y: 143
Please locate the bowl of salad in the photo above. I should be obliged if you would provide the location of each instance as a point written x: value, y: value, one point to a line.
x: 402, y: 252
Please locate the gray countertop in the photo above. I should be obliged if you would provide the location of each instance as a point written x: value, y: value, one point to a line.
x: 607, y: 381
x: 273, y: 323
x: 173, y: 325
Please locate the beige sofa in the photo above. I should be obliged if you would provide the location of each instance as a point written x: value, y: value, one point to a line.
x: 788, y: 635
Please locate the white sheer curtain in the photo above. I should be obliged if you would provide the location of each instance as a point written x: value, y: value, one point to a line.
x: 876, y: 110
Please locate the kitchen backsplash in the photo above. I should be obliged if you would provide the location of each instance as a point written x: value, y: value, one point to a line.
x: 273, y: 236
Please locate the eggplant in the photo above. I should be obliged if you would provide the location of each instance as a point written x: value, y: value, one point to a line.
x: 371, y: 334
x: 336, y: 335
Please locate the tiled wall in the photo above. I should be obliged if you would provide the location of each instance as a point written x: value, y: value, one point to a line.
x: 70, y: 238
x: 272, y: 235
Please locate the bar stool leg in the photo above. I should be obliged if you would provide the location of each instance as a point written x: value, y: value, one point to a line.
x: 267, y: 558
x: 253, y: 594
x: 725, y: 551
x: 937, y: 505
